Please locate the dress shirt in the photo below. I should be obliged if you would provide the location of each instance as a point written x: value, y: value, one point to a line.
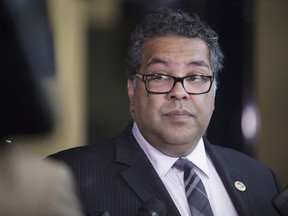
x: 172, y: 178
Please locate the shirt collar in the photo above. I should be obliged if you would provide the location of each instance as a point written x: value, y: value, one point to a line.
x: 162, y: 163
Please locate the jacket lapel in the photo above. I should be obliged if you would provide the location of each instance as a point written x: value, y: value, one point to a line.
x: 141, y: 175
x: 230, y: 176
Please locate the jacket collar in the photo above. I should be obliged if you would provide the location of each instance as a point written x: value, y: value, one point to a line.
x: 140, y: 174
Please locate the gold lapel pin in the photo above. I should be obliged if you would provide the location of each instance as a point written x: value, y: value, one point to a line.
x: 240, y: 185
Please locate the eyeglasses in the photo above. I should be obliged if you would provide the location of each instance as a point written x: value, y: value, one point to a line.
x: 161, y: 83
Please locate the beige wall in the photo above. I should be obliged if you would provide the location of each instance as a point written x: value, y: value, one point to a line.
x: 271, y: 57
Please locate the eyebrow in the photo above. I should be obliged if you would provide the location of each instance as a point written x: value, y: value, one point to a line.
x: 200, y: 63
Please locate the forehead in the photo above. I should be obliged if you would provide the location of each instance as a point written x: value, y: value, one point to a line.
x: 175, y: 51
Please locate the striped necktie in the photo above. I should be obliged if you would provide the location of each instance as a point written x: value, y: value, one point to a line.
x: 195, y: 191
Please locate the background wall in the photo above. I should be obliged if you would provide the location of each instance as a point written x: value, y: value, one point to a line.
x: 271, y: 75
x: 75, y: 106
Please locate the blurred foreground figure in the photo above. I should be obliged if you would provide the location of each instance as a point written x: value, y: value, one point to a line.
x: 29, y: 186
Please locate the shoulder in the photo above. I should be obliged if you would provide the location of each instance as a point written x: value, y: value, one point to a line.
x: 102, y: 150
x: 86, y: 152
x: 232, y: 153
x: 228, y: 155
x: 235, y: 158
x: 237, y: 162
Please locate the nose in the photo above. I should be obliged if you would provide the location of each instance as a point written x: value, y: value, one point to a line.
x: 178, y: 92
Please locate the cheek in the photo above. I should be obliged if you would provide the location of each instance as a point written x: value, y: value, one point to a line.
x: 205, y: 105
x: 146, y: 106
x: 137, y: 100
x: 134, y: 93
x: 212, y: 102
x: 142, y: 103
x: 209, y: 105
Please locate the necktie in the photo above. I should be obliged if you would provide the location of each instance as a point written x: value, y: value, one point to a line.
x: 195, y: 191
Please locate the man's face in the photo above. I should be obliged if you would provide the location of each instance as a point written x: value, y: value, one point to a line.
x: 174, y: 122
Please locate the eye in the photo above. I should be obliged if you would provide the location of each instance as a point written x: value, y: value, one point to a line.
x: 196, y: 78
x: 157, y: 77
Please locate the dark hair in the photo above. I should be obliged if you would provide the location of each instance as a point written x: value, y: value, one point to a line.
x: 172, y: 22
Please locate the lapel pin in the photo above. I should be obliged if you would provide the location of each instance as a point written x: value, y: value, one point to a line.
x: 239, y: 185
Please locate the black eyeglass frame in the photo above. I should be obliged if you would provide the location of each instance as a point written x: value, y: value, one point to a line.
x: 143, y: 78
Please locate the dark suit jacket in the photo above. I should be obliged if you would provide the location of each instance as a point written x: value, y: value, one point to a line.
x: 117, y: 176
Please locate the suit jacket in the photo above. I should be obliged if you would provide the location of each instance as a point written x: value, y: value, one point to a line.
x: 116, y: 176
x: 30, y: 186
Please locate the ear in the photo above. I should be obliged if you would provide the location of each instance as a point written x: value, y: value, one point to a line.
x: 131, y: 88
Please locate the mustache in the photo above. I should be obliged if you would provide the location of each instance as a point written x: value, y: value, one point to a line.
x: 178, y: 107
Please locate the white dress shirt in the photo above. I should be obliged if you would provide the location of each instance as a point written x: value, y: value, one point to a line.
x: 172, y: 178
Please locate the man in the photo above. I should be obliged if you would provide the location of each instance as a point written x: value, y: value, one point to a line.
x: 172, y: 68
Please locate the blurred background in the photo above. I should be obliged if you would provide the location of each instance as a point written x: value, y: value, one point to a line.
x: 87, y: 89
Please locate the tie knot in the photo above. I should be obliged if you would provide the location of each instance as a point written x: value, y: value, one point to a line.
x: 183, y: 164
